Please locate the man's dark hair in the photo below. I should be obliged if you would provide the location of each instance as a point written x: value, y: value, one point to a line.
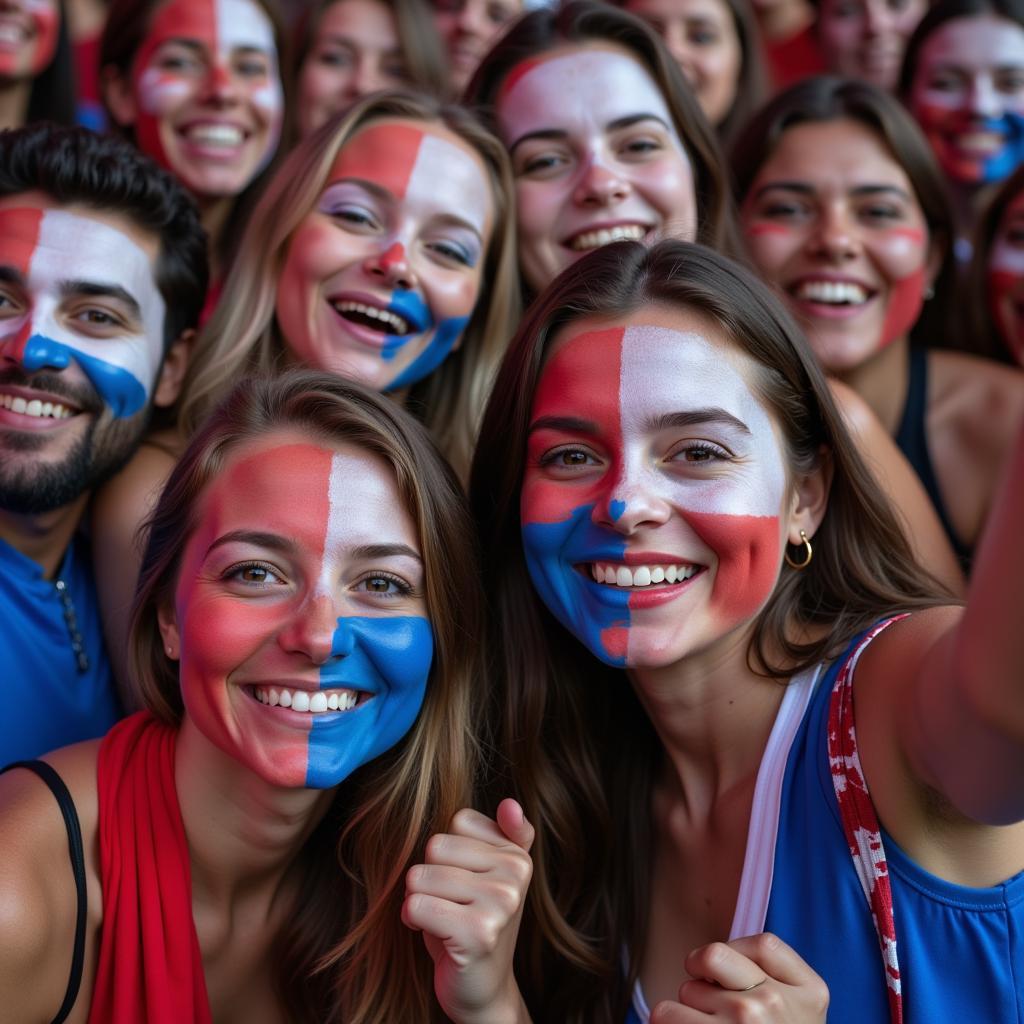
x: 74, y: 165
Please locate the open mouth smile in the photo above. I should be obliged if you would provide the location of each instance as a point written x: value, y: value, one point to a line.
x: 615, y: 574
x: 316, y: 702
x: 595, y: 238
x: 376, y: 318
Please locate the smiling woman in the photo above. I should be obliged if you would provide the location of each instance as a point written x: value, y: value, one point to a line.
x: 306, y: 643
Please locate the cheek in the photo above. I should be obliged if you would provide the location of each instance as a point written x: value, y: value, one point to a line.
x: 455, y: 297
x: 160, y: 94
x: 320, y: 85
x: 771, y: 245
x: 669, y: 185
x: 268, y: 101
x: 536, y: 204
x: 46, y: 21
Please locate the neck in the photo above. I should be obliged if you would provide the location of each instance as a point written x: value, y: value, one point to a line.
x: 14, y: 97
x: 713, y: 715
x: 44, y: 537
x: 213, y: 215
x: 782, y: 20
x: 243, y: 833
x: 882, y: 382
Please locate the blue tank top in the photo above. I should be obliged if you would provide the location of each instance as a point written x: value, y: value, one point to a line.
x: 961, y: 949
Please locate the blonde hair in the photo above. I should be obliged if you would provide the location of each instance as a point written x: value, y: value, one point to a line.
x: 343, y: 952
x: 243, y: 336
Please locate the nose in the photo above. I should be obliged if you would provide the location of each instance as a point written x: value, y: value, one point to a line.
x: 367, y: 78
x: 600, y: 184
x: 390, y: 264
x: 220, y: 85
x: 311, y: 631
x: 834, y: 236
x: 877, y: 18
x: 32, y: 351
x: 631, y: 502
x: 472, y: 20
x: 983, y: 99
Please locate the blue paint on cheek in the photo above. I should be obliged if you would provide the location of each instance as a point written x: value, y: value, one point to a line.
x: 388, y: 657
x: 1006, y: 160
x: 447, y: 334
x: 119, y: 389
x: 585, y: 608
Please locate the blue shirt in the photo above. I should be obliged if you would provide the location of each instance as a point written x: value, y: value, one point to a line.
x: 48, y: 701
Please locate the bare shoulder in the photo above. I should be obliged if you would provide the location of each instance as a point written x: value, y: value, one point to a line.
x: 127, y: 498
x: 38, y: 899
x: 983, y: 398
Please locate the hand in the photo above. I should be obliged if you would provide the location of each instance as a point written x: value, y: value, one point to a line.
x: 754, y: 979
x: 467, y: 900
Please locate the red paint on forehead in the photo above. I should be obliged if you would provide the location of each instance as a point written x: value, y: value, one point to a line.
x: 905, y: 302
x: 19, y: 236
x: 384, y: 154
x: 581, y: 380
x: 181, y: 19
x: 520, y: 71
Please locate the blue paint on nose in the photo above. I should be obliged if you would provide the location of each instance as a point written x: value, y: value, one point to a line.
x: 615, y: 510
x: 119, y: 389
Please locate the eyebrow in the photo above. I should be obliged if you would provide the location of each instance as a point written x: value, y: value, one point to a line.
x: 804, y: 188
x: 387, y: 196
x: 691, y: 417
x: 98, y: 290
x: 11, y: 275
x: 200, y: 47
x: 627, y: 121
x: 569, y: 424
x: 275, y: 542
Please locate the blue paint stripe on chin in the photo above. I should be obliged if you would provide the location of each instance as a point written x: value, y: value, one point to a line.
x: 553, y: 550
x: 119, y: 389
x: 411, y: 308
x: 447, y: 334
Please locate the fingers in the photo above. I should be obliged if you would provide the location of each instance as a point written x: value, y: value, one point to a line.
x: 676, y: 1013
x: 775, y: 958
x: 513, y: 823
x: 724, y: 965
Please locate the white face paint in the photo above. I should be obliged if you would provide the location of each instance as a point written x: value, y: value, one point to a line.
x: 81, y: 291
x: 596, y: 155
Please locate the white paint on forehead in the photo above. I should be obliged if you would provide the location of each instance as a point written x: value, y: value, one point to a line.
x: 584, y: 88
x: 75, y: 248
x: 445, y: 176
x: 243, y: 24
x: 975, y: 43
x: 666, y: 371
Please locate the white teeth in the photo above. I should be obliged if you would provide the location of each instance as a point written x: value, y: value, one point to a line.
x: 832, y: 293
x: 398, y: 324
x: 315, y: 703
x: 595, y: 239
x: 216, y: 134
x: 641, y: 575
x: 34, y: 407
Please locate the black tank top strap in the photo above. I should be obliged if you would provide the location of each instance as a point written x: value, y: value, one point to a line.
x: 67, y: 808
x: 912, y: 440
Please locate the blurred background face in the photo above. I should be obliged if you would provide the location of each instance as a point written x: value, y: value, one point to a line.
x: 206, y: 95
x: 701, y: 36
x: 968, y: 96
x: 1006, y: 279
x: 356, y: 51
x: 28, y: 37
x: 865, y: 39
x: 468, y: 29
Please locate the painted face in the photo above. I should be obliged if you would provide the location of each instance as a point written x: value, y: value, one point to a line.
x: 208, y: 93
x: 305, y: 647
x: 381, y: 278
x: 81, y: 344
x: 356, y: 51
x: 28, y: 37
x: 865, y: 39
x: 833, y: 222
x: 596, y: 157
x: 701, y: 36
x: 1006, y: 278
x: 468, y: 28
x: 653, y: 491
x: 968, y: 96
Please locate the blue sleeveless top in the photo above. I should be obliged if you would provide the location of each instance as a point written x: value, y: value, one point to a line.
x: 961, y: 949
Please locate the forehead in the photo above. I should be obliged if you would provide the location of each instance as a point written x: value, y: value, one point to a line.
x: 582, y: 85
x: 712, y: 10
x: 365, y: 20
x: 982, y: 41
x: 218, y: 24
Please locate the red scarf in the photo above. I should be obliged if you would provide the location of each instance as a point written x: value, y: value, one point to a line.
x: 150, y: 966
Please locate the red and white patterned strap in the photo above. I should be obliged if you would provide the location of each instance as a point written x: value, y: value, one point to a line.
x: 860, y: 823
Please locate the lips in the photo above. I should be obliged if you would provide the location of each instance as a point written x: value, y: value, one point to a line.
x: 595, y: 237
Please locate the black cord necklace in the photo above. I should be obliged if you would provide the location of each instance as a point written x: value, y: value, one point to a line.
x: 71, y: 621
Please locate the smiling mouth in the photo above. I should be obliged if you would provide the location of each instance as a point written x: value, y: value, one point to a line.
x: 227, y: 136
x: 316, y: 703
x: 587, y: 240
x: 376, y: 318
x: 615, y: 574
x: 831, y: 293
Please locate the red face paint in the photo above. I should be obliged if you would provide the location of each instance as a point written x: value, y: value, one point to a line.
x: 36, y: 24
x: 906, y: 299
x: 386, y: 156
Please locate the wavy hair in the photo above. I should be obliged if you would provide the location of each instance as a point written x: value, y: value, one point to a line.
x: 577, y: 747
x: 243, y: 334
x: 343, y: 953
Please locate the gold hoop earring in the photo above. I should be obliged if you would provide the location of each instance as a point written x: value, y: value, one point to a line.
x: 808, y: 550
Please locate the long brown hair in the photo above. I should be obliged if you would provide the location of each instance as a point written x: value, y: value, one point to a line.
x: 588, y: 21
x: 578, y: 749
x: 243, y: 336
x: 344, y: 954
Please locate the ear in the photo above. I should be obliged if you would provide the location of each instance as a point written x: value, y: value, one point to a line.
x: 168, y: 623
x: 118, y: 96
x: 810, y: 500
x: 172, y: 373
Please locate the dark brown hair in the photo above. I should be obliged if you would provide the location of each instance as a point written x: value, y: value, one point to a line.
x: 578, y: 749
x: 587, y: 21
x: 344, y: 954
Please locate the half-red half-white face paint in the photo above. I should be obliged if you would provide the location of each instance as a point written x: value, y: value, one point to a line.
x: 28, y: 37
x: 655, y: 485
x: 299, y: 612
x: 208, y: 93
x: 78, y: 297
x: 597, y: 157
x: 1006, y: 278
x: 380, y: 280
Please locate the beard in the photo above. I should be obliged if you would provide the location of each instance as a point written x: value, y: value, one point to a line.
x: 105, y: 447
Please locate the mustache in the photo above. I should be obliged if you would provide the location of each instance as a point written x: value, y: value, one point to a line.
x: 82, y: 398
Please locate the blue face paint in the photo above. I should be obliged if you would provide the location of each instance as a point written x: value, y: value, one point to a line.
x: 413, y: 309
x: 586, y: 608
x: 119, y: 389
x: 1004, y: 162
x: 388, y: 657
